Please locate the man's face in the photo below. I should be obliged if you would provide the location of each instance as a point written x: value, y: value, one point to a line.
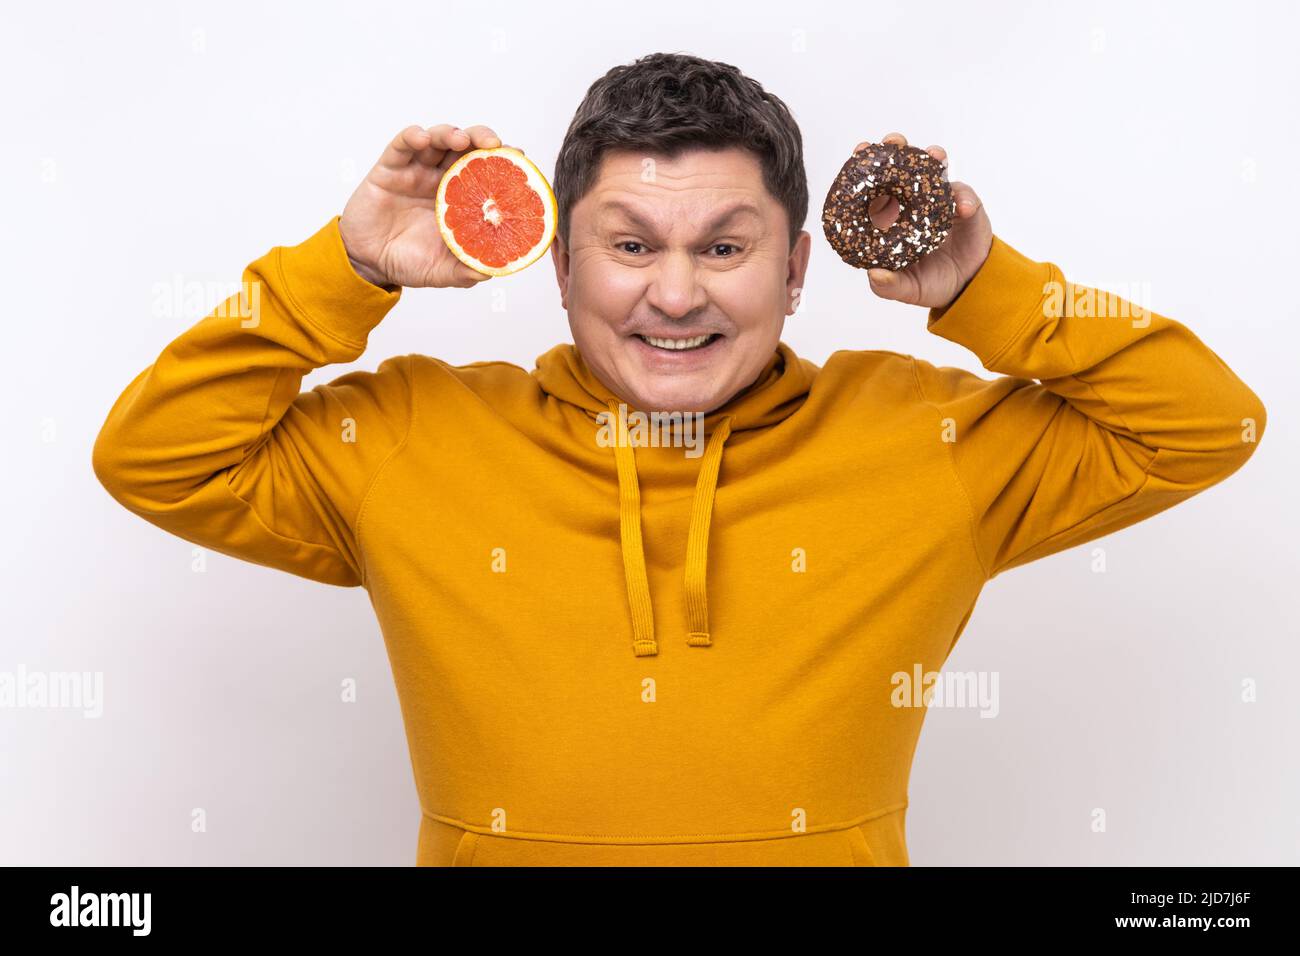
x: 678, y: 276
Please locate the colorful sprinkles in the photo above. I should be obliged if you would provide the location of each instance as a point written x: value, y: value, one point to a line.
x: 925, y: 206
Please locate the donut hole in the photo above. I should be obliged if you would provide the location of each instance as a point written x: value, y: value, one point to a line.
x: 883, y: 211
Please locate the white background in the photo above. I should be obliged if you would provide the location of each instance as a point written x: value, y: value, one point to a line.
x: 1144, y: 145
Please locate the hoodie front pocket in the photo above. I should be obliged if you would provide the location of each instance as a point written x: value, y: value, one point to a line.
x: 464, y: 855
x: 444, y: 844
x: 862, y: 855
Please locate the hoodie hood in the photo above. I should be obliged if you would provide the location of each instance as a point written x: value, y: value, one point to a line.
x: 777, y: 392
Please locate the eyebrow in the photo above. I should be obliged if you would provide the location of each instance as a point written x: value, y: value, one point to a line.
x: 727, y: 215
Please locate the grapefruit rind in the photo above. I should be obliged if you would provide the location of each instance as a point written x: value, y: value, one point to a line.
x: 535, y: 179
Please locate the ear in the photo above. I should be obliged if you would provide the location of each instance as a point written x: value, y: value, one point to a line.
x: 560, y: 259
x: 796, y: 271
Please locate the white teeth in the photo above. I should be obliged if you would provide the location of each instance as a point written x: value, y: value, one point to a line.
x: 677, y: 344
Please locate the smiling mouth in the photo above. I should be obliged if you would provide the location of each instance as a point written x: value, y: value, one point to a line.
x: 679, y: 345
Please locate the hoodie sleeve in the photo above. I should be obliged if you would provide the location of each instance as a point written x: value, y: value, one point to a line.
x: 1104, y: 413
x: 214, y: 442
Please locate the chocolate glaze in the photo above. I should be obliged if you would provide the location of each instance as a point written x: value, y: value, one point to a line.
x: 926, y: 206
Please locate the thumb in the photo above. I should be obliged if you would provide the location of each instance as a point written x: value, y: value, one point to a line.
x: 883, y: 281
x: 470, y: 275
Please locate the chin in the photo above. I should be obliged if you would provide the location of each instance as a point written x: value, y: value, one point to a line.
x: 675, y: 400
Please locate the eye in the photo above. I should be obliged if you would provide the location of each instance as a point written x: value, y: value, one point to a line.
x: 724, y: 245
x: 629, y: 242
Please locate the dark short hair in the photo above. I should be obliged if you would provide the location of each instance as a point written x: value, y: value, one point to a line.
x: 668, y: 103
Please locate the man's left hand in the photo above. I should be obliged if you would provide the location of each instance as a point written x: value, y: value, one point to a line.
x: 934, y: 280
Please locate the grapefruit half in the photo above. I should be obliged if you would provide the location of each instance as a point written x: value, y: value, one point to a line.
x: 496, y: 211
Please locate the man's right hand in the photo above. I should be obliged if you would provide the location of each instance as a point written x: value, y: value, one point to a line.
x: 390, y: 225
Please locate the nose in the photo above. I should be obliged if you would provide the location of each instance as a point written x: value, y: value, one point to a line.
x: 674, y: 289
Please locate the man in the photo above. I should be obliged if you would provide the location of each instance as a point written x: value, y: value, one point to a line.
x: 610, y: 650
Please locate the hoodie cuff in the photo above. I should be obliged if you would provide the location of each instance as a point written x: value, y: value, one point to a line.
x: 997, y: 304
x: 320, y: 282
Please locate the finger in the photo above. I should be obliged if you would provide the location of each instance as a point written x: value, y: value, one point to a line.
x: 898, y: 138
x: 884, y: 282
x: 435, y: 141
x: 939, y: 153
x: 449, y: 143
x: 404, y: 147
x: 882, y: 211
x: 968, y: 203
x: 861, y: 146
x: 467, y: 276
x: 447, y: 136
x: 458, y: 278
x: 482, y: 137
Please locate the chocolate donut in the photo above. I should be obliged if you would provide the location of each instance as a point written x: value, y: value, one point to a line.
x: 925, y: 206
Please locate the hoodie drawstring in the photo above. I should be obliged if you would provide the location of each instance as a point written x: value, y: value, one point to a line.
x: 629, y: 518
x: 697, y: 540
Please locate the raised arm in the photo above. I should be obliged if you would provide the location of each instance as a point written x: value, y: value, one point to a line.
x: 1104, y: 415
x: 214, y: 441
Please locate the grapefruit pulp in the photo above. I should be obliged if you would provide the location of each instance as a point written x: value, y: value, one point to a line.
x: 496, y: 211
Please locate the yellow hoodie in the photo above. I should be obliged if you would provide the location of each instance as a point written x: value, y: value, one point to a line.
x: 609, y: 654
